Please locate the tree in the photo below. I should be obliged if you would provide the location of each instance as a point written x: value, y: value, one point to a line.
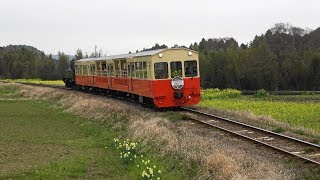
x: 63, y: 63
x: 79, y: 54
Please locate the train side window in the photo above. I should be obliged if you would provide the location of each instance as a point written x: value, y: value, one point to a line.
x: 92, y: 70
x: 138, y: 70
x: 190, y: 68
x: 129, y: 70
x: 84, y: 70
x: 161, y: 70
x: 176, y: 69
x: 144, y: 70
x: 110, y: 71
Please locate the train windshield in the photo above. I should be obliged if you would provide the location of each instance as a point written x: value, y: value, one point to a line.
x: 176, y: 69
x: 161, y: 70
x: 190, y: 68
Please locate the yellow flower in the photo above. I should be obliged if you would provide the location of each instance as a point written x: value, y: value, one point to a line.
x: 159, y: 171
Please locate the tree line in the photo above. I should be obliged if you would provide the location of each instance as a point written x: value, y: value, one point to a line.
x: 284, y: 58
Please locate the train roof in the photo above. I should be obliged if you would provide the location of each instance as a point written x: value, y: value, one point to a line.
x: 130, y: 55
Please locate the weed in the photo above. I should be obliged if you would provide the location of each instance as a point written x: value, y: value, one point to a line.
x: 175, y: 116
x: 309, y: 149
x: 278, y: 130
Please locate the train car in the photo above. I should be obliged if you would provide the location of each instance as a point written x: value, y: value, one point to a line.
x: 163, y: 77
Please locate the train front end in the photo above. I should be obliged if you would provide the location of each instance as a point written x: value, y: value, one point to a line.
x: 177, y: 78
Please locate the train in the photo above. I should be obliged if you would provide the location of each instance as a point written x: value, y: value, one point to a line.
x: 162, y: 78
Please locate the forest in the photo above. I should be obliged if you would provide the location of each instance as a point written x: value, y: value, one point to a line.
x: 284, y: 58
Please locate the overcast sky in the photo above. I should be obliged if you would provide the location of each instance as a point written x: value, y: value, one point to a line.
x: 120, y: 26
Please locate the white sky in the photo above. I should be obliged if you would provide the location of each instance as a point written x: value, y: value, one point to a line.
x: 120, y: 26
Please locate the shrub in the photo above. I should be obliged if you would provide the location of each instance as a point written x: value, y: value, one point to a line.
x: 261, y: 93
x: 231, y: 93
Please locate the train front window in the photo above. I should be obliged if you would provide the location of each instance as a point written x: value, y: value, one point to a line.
x: 176, y: 69
x: 161, y: 70
x: 190, y: 68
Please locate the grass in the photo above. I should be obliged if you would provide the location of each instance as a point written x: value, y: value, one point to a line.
x: 38, y: 140
x: 36, y: 81
x: 296, y: 113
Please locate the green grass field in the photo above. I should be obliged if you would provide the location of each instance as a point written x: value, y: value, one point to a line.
x: 36, y: 81
x: 37, y: 140
x: 299, y: 110
x: 40, y: 141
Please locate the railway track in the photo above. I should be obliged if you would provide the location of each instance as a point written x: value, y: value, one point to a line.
x: 301, y: 149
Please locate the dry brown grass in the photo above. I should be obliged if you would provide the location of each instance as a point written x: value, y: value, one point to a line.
x: 212, y: 151
x: 218, y: 156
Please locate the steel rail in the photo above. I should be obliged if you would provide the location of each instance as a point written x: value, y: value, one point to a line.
x: 258, y: 129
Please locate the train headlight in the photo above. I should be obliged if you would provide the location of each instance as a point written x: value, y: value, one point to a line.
x: 177, y: 83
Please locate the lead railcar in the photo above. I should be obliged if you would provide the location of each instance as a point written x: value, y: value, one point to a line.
x: 164, y: 77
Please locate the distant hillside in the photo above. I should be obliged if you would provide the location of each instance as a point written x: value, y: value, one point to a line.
x: 21, y: 61
x: 16, y: 48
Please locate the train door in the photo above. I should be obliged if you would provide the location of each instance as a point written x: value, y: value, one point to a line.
x: 110, y: 73
x: 148, y: 76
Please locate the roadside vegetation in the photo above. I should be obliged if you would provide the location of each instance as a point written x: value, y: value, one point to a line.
x: 297, y: 110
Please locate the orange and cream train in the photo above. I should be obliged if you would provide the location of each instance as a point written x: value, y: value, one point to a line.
x: 163, y: 77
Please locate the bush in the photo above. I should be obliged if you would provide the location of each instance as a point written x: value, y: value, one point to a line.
x: 220, y: 94
x: 261, y: 93
x: 308, y: 93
